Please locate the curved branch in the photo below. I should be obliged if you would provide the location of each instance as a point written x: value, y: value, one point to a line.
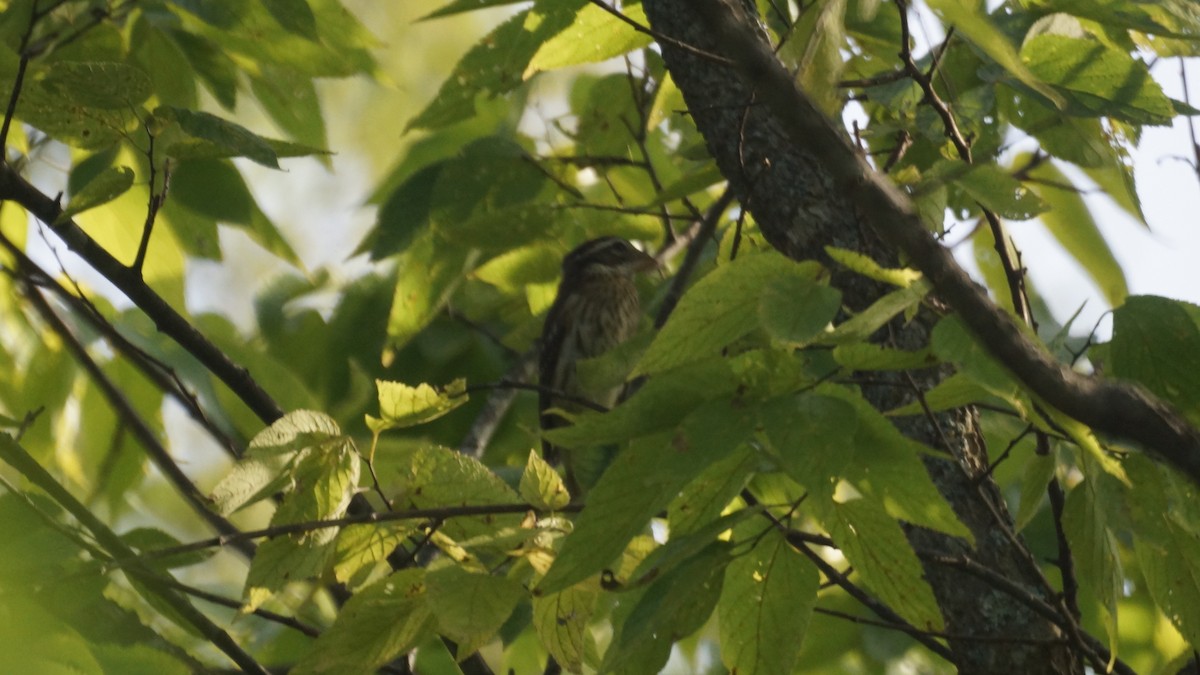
x: 1118, y: 408
x: 128, y: 280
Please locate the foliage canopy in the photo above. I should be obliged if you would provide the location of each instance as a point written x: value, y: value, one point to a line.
x: 380, y: 497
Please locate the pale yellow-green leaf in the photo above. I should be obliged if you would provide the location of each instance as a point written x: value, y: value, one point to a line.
x: 901, y: 277
x: 596, y: 35
x: 117, y: 227
x: 432, y: 476
x: 862, y: 325
x: 541, y: 485
x: 402, y: 405
x: 361, y: 551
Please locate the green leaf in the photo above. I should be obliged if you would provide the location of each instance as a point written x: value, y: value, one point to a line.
x: 377, y: 624
x: 401, y: 405
x: 271, y: 457
x: 1094, y: 549
x: 195, y: 181
x: 432, y: 476
x: 768, y: 597
x: 363, y: 549
x: 972, y: 21
x: 810, y: 437
x: 541, y: 485
x: 165, y: 62
x: 232, y: 138
x: 999, y: 192
x: 561, y: 621
x: 294, y: 15
x: 290, y: 98
x: 875, y: 544
x: 660, y: 404
x: 107, y: 85
x: 681, y: 548
x: 105, y: 187
x: 864, y: 324
x: 1156, y: 341
x: 795, y: 309
x: 866, y: 356
x: 596, y: 35
x: 1038, y: 472
x: 1098, y: 80
x: 1167, y: 545
x: 470, y: 607
x: 703, y: 500
x: 672, y: 608
x: 641, y: 481
x: 814, y: 49
x: 833, y: 434
x: 429, y: 273
x: 952, y: 342
x: 279, y: 561
x: 494, y: 65
x: 862, y: 264
x: 1082, y: 141
x: 720, y: 308
x: 1072, y: 224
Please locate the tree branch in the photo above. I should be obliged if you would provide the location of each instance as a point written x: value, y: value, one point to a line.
x: 127, y: 279
x: 158, y: 454
x: 1118, y: 408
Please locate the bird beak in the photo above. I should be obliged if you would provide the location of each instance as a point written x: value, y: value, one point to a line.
x: 644, y: 263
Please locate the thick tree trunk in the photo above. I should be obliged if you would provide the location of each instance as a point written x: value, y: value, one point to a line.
x: 800, y: 210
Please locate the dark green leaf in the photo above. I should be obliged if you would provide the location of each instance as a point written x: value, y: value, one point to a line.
x: 720, y: 308
x: 294, y: 15
x: 674, y: 607
x: 874, y: 543
x: 234, y: 138
x: 641, y: 481
x: 766, y: 602
x: 107, y: 186
x: 1156, y: 341
x: 377, y: 624
x: 470, y: 607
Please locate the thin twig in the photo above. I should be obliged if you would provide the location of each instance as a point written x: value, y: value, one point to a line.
x: 124, y: 409
x: 692, y: 258
x: 659, y: 37
x: 435, y: 514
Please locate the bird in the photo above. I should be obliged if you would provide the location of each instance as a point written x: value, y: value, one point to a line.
x: 595, y: 309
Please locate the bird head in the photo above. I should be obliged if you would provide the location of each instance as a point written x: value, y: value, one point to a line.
x: 607, y: 255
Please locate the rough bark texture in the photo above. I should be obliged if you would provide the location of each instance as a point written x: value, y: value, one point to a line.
x: 800, y: 210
